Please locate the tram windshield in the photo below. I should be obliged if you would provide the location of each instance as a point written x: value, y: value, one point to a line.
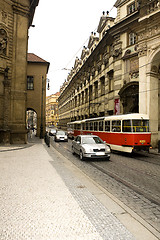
x: 135, y: 125
x: 140, y: 125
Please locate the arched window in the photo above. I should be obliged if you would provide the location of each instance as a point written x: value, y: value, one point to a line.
x: 3, y: 42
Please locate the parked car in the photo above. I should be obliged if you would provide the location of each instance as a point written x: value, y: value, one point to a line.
x: 61, y: 136
x: 52, y: 132
x: 90, y: 146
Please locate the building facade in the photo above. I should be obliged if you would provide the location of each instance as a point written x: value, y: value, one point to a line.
x: 15, y: 19
x: 52, y: 115
x: 119, y: 71
x: 37, y: 69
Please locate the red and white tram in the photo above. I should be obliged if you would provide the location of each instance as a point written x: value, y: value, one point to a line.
x: 125, y: 133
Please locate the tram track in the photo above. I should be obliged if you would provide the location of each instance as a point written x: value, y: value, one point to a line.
x: 126, y: 183
x: 109, y: 172
x: 142, y: 198
x: 141, y: 156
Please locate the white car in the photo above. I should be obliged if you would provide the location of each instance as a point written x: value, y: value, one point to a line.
x: 90, y: 146
x: 61, y: 136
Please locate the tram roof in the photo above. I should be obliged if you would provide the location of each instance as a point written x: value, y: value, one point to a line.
x: 114, y: 117
x: 127, y: 116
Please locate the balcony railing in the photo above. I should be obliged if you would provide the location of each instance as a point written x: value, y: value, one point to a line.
x: 153, y: 6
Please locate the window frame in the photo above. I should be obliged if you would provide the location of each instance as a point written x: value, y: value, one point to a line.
x: 30, y: 84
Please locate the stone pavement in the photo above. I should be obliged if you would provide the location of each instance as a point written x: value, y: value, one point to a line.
x: 40, y: 199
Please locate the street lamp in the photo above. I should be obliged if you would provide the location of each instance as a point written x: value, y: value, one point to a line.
x: 42, y: 103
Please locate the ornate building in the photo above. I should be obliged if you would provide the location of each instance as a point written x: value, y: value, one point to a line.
x: 52, y: 116
x: 119, y: 71
x: 15, y: 19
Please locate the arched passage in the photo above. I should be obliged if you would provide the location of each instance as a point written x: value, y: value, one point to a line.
x: 31, y: 119
x: 129, y: 97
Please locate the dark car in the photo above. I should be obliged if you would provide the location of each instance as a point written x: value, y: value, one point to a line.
x: 52, y: 132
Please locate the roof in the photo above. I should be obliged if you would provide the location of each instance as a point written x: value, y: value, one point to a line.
x: 33, y: 58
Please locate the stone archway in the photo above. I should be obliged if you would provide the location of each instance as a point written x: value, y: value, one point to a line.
x: 31, y: 120
x: 129, y: 97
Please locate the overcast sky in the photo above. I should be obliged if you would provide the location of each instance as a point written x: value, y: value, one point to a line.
x: 61, y: 30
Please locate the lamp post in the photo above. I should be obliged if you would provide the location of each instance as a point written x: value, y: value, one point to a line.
x: 42, y: 104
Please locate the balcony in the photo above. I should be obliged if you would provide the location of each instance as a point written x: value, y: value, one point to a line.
x: 152, y: 7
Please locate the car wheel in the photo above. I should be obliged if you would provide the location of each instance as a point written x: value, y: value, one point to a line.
x: 81, y: 155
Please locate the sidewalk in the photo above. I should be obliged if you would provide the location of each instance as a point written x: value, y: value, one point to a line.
x: 40, y: 199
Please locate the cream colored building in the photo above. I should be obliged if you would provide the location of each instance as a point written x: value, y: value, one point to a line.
x: 15, y: 18
x: 119, y: 71
x: 52, y: 116
x: 37, y: 69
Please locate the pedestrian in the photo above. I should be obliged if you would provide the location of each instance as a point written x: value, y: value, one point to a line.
x: 31, y: 132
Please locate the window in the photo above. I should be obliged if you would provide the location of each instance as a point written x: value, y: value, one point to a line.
x: 96, y: 89
x: 116, y: 126
x: 79, y: 99
x: 131, y: 8
x: 76, y: 101
x: 132, y: 38
x: 82, y: 97
x: 140, y: 125
x: 30, y: 83
x: 101, y: 126
x: 83, y: 126
x: 111, y: 81
x: 95, y: 126
x: 102, y: 85
x: 107, y: 126
x: 86, y: 125
x: 77, y: 126
x: 126, y: 126
x: 90, y: 92
x: 91, y: 126
x: 86, y: 95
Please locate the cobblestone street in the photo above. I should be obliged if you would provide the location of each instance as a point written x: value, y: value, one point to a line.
x: 40, y: 199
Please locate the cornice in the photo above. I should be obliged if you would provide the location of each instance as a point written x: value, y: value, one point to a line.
x: 20, y: 9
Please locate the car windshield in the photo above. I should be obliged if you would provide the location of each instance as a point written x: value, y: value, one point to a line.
x: 53, y: 130
x: 91, y: 140
x: 60, y: 133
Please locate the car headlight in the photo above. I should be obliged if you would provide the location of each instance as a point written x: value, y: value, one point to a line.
x: 108, y: 149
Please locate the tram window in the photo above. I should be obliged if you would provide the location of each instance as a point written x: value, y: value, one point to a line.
x: 126, y: 126
x: 140, y: 125
x: 86, y: 125
x: 95, y: 126
x: 83, y: 126
x: 101, y: 126
x: 116, y: 126
x: 107, y: 126
x: 91, y: 126
x: 78, y: 126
